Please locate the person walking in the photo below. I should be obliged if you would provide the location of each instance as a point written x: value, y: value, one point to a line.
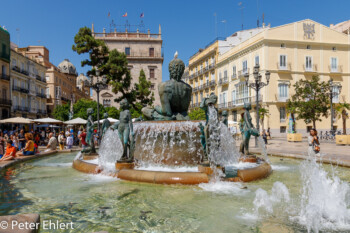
x: 264, y: 136
x: 52, y: 145
x: 314, y: 144
x: 61, y: 140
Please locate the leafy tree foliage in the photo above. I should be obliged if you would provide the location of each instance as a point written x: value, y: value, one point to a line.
x: 61, y: 112
x: 112, y: 112
x: 342, y: 109
x: 311, y: 100
x: 197, y: 114
x: 82, y: 105
x: 143, y: 94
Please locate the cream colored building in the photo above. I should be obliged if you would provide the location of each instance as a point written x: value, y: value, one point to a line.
x: 143, y: 51
x: 62, y: 83
x: 5, y: 90
x: 28, y: 86
x: 290, y: 52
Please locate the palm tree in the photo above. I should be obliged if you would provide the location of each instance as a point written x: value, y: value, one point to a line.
x: 342, y: 113
x: 263, y: 112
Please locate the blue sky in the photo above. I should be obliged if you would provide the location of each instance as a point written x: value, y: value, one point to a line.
x: 186, y: 25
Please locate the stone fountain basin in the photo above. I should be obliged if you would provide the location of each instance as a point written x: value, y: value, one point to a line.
x: 187, y: 178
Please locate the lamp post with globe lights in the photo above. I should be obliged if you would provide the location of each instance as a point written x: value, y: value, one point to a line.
x: 98, y: 86
x: 257, y: 85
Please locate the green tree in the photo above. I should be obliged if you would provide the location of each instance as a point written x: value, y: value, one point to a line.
x: 112, y: 112
x: 263, y: 112
x: 61, y: 112
x: 311, y: 100
x: 81, y: 106
x: 144, y: 96
x: 197, y: 114
x: 97, y: 50
x: 342, y: 109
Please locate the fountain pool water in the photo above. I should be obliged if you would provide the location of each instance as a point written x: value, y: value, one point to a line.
x: 96, y: 202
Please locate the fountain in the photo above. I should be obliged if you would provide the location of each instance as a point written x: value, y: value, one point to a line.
x: 169, y: 148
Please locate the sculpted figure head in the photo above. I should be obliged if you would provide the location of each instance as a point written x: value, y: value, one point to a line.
x: 212, y: 99
x: 247, y: 106
x: 124, y: 104
x: 105, y: 115
x: 90, y: 111
x: 176, y: 68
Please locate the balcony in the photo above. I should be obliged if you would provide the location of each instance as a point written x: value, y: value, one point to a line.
x: 223, y: 81
x: 5, y: 77
x: 233, y: 76
x: 239, y: 102
x: 310, y: 69
x: 212, y: 83
x: 24, y: 72
x: 145, y: 55
x: 24, y: 90
x: 211, y: 66
x: 284, y: 68
x: 16, y: 68
x: 335, y: 69
x: 241, y: 73
x: 20, y: 108
x: 6, y: 102
x: 40, y: 79
x: 16, y: 88
x: 282, y: 99
x: 41, y: 95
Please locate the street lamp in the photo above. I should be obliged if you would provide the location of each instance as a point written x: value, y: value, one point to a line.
x: 98, y: 86
x: 257, y: 85
x: 332, y: 95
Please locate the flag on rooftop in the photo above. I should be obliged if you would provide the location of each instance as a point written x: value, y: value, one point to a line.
x: 142, y: 15
x: 126, y: 14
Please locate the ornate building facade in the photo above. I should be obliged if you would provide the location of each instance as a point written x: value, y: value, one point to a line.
x: 28, y: 86
x: 5, y: 90
x: 62, y: 84
x: 143, y: 51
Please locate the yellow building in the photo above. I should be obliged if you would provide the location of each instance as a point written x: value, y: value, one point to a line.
x: 290, y: 52
x: 28, y: 86
x: 202, y: 73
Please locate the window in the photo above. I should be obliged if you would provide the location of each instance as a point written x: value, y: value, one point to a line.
x: 151, y: 52
x: 206, y: 64
x: 212, y: 76
x: 47, y: 78
x: 224, y: 97
x: 201, y: 96
x: 283, y: 45
x: 308, y: 46
x: 127, y: 51
x: 106, y: 102
x: 152, y: 86
x: 308, y: 64
x: 207, y: 79
x: 196, y: 99
x: 57, y: 92
x: 151, y: 73
x: 3, y: 69
x: 212, y: 60
x: 256, y: 60
x: 283, y: 61
x: 14, y: 62
x: 245, y: 66
x: 283, y: 91
x: 283, y: 129
x: 234, y: 113
x: 201, y: 82
x: 282, y: 114
x: 225, y: 74
x: 234, y: 71
x: 233, y: 96
x: 334, y: 64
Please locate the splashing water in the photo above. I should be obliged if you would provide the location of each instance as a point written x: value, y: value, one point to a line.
x: 264, y: 201
x: 167, y: 143
x: 263, y: 148
x: 324, y: 200
x: 111, y: 150
x: 222, y: 146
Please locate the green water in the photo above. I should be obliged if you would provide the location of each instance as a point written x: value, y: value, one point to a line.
x: 95, y: 203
